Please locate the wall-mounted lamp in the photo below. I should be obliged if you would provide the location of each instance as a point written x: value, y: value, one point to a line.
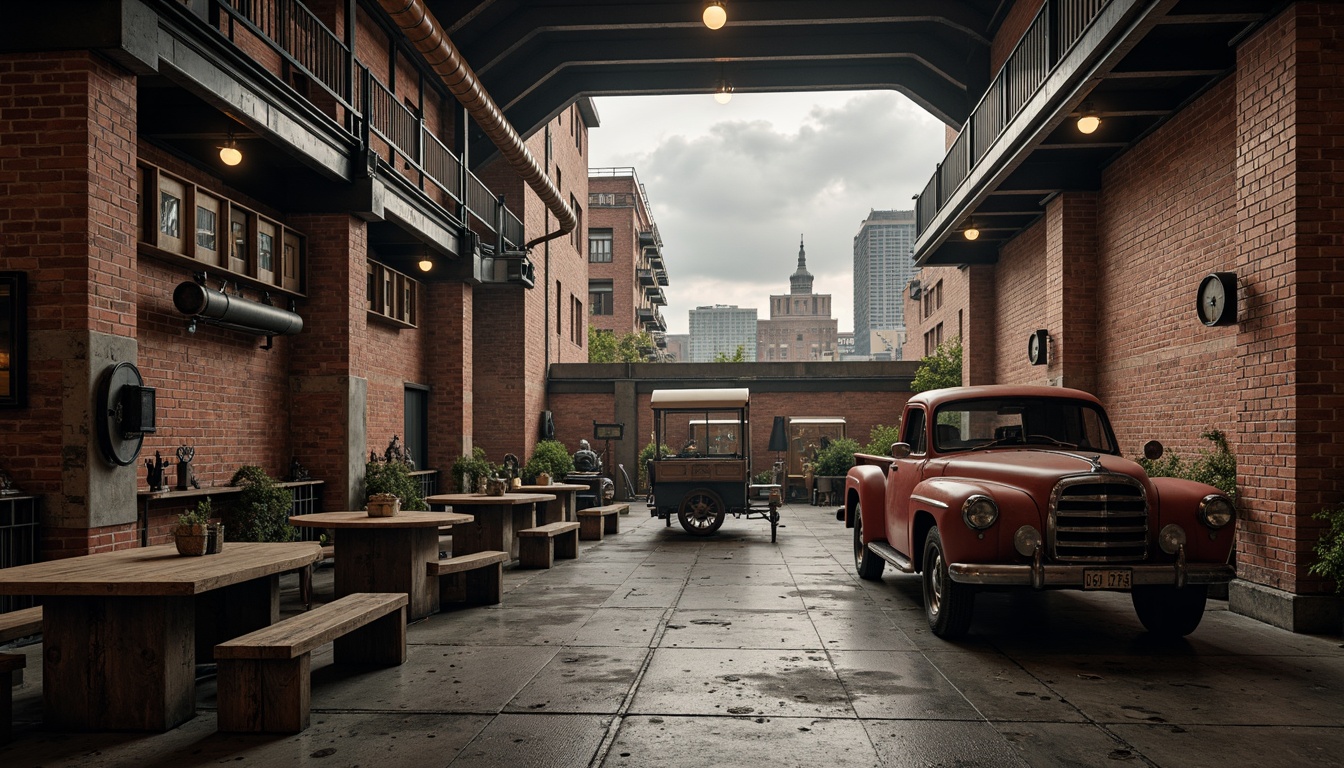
x: 715, y: 15
x: 724, y: 93
x: 229, y: 154
x: 426, y: 263
x: 1090, y: 120
x: 970, y: 232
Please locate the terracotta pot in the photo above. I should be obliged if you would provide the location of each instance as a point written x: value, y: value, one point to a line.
x: 191, y: 540
x: 543, y: 478
x: 383, y: 505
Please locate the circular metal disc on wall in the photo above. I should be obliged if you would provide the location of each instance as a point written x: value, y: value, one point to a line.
x: 116, y: 448
x: 1217, y: 300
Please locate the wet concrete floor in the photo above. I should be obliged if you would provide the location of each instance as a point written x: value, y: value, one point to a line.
x: 656, y: 648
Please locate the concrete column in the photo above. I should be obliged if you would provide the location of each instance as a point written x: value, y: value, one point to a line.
x: 1290, y: 318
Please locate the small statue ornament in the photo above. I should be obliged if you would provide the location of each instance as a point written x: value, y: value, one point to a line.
x: 156, y: 475
x: 297, y: 471
x: 185, y: 477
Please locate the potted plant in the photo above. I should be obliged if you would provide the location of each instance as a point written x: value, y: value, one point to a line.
x: 469, y: 471
x: 193, y: 530
x: 550, y: 458
x: 392, y: 477
x: 383, y: 505
x: 261, y: 510
x: 833, y: 462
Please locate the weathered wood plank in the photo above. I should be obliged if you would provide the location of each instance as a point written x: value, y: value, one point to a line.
x: 16, y: 624
x: 300, y: 634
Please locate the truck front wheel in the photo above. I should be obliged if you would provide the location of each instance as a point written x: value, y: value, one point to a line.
x: 947, y: 604
x: 1168, y: 611
x: 868, y: 564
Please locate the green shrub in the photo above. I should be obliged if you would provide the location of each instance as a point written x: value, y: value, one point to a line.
x: 261, y: 510
x: 764, y: 477
x: 1217, y: 467
x: 940, y: 369
x: 551, y: 457
x: 1330, y: 548
x: 199, y: 516
x: 880, y: 439
x: 474, y: 466
x: 393, y: 477
x: 645, y: 455
x: 835, y: 459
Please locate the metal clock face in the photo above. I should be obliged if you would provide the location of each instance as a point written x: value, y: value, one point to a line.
x: 1036, y: 344
x: 1218, y: 299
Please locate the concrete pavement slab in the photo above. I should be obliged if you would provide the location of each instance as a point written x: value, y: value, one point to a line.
x: 740, y: 629
x: 582, y: 680
x: 710, y: 681
x: 778, y: 742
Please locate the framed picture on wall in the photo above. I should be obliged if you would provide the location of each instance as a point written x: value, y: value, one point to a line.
x: 13, y: 340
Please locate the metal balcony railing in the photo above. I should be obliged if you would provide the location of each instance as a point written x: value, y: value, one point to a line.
x: 305, y: 43
x: 1052, y: 34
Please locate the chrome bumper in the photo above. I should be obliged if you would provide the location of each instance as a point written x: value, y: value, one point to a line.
x: 1041, y: 576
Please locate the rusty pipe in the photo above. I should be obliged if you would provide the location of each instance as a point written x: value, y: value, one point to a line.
x: 423, y: 31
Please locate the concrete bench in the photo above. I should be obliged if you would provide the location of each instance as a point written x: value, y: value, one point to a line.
x: 476, y: 579
x: 595, y: 521
x: 16, y: 624
x: 539, y: 547
x: 9, y: 664
x: 263, y: 677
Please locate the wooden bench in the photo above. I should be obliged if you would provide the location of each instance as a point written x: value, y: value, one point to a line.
x: 263, y: 676
x: 539, y: 547
x: 9, y: 664
x: 476, y: 579
x: 16, y: 624
x: 595, y: 521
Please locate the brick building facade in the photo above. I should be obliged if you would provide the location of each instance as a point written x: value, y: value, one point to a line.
x: 626, y: 273
x: 800, y: 326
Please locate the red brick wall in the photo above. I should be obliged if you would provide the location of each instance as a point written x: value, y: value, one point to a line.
x: 624, y: 222
x: 1020, y: 307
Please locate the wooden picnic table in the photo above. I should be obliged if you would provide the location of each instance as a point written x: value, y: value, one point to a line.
x: 497, y: 519
x: 565, y: 507
x: 387, y: 554
x: 122, y: 631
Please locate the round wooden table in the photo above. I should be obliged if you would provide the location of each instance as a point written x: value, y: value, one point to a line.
x: 497, y: 519
x: 387, y: 554
x: 565, y: 507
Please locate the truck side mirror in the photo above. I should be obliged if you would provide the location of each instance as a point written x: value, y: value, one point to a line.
x: 900, y: 450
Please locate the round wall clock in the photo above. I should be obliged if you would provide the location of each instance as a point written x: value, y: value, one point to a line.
x: 1038, y: 344
x: 1217, y: 301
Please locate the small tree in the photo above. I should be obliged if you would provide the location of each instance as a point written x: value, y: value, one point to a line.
x: 393, y: 477
x: 468, y: 469
x: 880, y: 439
x: 261, y: 510
x: 607, y: 347
x: 835, y: 459
x: 739, y: 356
x: 551, y: 457
x: 941, y: 369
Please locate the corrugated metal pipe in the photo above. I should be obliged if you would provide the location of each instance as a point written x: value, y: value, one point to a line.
x: 424, y: 32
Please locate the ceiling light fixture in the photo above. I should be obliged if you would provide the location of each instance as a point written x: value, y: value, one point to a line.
x: 426, y: 263
x: 1090, y: 120
x: 230, y: 154
x: 715, y: 15
x: 724, y: 93
x: 970, y: 232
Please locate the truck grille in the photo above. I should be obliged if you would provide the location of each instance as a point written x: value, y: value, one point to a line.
x: 1099, y: 519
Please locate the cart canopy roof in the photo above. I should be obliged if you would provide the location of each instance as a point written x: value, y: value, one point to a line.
x: 699, y: 398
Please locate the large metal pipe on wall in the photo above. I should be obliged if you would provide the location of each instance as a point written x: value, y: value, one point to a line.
x: 196, y: 300
x: 422, y: 30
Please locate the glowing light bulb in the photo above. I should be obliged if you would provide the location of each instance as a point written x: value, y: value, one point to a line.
x: 715, y: 15
x: 724, y: 94
x: 229, y: 154
x: 971, y: 232
x: 1089, y: 122
x: 426, y: 264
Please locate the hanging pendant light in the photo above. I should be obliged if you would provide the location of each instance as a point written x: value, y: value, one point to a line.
x: 724, y: 93
x: 229, y: 154
x: 1090, y: 120
x: 971, y: 232
x: 714, y: 15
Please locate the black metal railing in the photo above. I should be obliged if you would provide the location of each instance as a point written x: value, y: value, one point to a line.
x: 428, y: 480
x: 305, y: 43
x: 18, y: 542
x: 1053, y: 32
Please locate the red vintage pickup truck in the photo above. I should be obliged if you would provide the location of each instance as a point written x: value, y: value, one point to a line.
x: 999, y: 487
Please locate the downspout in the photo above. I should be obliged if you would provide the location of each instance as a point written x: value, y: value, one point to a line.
x: 423, y: 31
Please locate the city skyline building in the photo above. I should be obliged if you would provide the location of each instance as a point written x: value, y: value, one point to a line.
x: 883, y: 266
x: 626, y: 273
x: 721, y: 329
x: 800, y: 325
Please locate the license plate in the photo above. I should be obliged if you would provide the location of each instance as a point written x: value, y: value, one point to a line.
x: 1099, y: 579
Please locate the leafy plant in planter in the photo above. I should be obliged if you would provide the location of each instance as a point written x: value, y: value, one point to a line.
x: 880, y: 439
x: 835, y: 459
x: 551, y: 457
x: 1330, y: 548
x: 261, y: 510
x: 645, y: 455
x: 467, y: 470
x: 193, y: 528
x: 393, y: 477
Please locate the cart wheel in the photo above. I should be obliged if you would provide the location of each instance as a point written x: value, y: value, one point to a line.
x: 701, y: 512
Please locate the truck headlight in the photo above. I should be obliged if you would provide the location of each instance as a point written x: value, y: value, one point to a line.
x: 1216, y: 511
x: 1171, y: 539
x: 1026, y: 541
x: 980, y: 512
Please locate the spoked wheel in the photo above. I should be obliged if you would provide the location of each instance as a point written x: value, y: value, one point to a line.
x: 947, y: 604
x: 701, y: 512
x: 866, y: 562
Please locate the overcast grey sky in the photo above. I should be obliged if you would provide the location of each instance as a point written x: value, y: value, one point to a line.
x: 734, y: 185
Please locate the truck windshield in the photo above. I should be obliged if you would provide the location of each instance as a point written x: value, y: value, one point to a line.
x: 993, y: 422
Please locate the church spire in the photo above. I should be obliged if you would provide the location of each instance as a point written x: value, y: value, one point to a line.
x: 801, y: 280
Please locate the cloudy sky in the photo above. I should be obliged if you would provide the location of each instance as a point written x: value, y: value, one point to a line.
x: 734, y: 185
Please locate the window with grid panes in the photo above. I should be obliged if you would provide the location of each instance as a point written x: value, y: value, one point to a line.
x: 599, y: 246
